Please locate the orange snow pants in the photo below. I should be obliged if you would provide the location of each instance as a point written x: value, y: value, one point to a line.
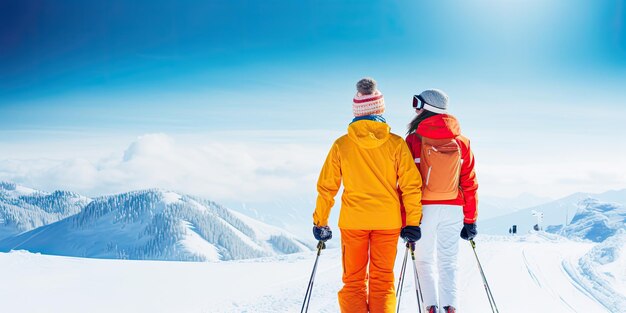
x: 378, y: 248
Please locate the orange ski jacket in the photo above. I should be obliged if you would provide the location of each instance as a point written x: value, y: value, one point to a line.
x: 373, y: 163
x: 443, y: 126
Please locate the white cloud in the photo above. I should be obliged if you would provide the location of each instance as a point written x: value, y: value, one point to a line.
x: 246, y: 170
x: 277, y: 166
x: 553, y: 178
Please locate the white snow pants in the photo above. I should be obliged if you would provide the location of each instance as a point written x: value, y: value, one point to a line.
x: 441, y: 227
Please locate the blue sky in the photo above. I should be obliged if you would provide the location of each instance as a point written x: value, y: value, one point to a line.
x: 83, y: 57
x: 533, y: 83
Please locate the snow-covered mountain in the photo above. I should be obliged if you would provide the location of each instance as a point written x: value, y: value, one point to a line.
x: 491, y: 206
x: 292, y: 214
x: 156, y: 225
x: 23, y: 209
x: 594, y: 220
x: 558, y: 212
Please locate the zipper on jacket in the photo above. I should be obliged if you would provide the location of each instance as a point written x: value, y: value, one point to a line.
x: 343, y: 259
x: 429, y: 168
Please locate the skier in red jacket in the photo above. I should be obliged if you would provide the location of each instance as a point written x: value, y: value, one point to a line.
x: 449, y: 203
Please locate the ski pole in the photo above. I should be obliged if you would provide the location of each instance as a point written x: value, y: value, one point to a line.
x: 492, y: 301
x: 418, y: 287
x: 309, y: 290
x: 401, y: 279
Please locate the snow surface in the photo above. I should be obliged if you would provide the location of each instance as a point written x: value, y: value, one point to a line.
x: 16, y: 190
x: 25, y: 191
x: 602, y: 272
x: 194, y: 242
x: 538, y: 272
x: 170, y: 197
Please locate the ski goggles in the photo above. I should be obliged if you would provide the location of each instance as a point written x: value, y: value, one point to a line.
x: 418, y: 102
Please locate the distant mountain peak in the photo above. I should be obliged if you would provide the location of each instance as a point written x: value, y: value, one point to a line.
x: 595, y: 220
x: 23, y: 209
x: 157, y: 224
x: 557, y: 213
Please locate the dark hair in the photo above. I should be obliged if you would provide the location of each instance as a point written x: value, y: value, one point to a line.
x: 418, y: 119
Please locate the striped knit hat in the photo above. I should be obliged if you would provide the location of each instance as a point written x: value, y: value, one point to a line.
x: 368, y: 100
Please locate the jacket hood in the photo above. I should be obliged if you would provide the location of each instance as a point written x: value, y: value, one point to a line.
x: 369, y: 134
x: 440, y: 126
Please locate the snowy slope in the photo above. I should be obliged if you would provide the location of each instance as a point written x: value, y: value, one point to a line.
x: 155, y: 225
x: 602, y: 272
x: 540, y: 273
x: 23, y: 209
x: 555, y: 213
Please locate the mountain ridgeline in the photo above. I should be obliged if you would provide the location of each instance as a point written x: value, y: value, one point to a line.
x: 23, y: 209
x: 152, y: 225
x: 558, y: 212
x: 594, y: 220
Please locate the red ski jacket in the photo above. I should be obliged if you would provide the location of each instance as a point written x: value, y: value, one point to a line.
x: 443, y: 126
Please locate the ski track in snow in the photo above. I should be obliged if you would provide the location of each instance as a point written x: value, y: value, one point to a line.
x: 568, y: 270
x: 530, y: 272
x: 523, y: 274
x: 536, y: 274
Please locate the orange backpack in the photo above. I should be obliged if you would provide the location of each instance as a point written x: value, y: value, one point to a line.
x: 440, y: 165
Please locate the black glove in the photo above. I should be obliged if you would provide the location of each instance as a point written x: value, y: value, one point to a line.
x: 322, y: 233
x: 469, y: 231
x: 411, y: 233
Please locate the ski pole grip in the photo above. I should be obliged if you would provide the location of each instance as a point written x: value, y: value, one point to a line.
x: 410, y: 245
x: 320, y: 246
x: 473, y: 243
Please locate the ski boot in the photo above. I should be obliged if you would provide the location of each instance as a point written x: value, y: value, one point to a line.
x: 431, y: 309
x: 449, y: 309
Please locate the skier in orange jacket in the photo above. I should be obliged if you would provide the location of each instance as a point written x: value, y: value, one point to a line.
x: 372, y: 162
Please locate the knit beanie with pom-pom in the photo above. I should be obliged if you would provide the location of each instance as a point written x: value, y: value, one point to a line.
x: 368, y: 100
